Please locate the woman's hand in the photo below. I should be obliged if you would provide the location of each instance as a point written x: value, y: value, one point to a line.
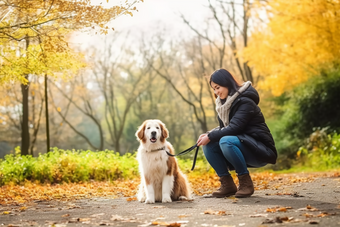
x: 203, y: 140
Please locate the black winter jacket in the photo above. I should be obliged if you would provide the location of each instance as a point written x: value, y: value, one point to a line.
x: 248, y: 124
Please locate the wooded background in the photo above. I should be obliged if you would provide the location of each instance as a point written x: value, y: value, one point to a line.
x: 57, y: 95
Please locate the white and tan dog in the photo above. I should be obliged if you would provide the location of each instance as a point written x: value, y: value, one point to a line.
x: 161, y: 178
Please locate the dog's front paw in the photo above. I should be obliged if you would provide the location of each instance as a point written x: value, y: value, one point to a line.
x: 166, y: 199
x: 183, y: 198
x: 142, y: 199
x: 149, y: 201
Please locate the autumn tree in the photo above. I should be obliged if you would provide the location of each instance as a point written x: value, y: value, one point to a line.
x: 34, y: 98
x: 296, y: 43
x: 46, y: 24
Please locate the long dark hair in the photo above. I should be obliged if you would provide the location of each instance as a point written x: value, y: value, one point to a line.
x: 224, y: 78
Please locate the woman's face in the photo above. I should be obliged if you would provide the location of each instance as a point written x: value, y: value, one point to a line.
x: 220, y: 91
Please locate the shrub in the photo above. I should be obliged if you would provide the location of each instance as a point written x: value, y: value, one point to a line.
x: 67, y: 166
x: 310, y: 106
x: 321, y: 151
x: 77, y: 166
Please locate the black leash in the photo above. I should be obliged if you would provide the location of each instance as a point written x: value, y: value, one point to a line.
x: 187, y: 151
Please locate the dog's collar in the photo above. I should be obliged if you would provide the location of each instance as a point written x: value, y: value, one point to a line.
x: 159, y: 149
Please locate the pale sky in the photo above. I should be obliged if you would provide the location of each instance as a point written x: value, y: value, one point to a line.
x: 154, y: 14
x: 151, y: 12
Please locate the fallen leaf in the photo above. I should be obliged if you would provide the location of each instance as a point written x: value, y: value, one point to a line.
x: 282, y: 209
x: 73, y: 220
x: 323, y: 214
x: 131, y: 199
x: 23, y: 208
x: 209, y: 211
x: 258, y: 215
x: 308, y: 215
x: 308, y: 208
x: 158, y: 207
x: 285, y: 219
x: 275, y: 209
x: 175, y: 224
x: 84, y: 219
x: 271, y: 210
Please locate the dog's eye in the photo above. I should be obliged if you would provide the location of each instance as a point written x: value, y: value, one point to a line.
x: 157, y: 127
x: 148, y: 128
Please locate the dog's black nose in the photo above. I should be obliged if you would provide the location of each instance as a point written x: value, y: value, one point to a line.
x: 153, y: 133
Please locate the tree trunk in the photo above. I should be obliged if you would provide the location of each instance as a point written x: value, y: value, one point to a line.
x: 47, y: 118
x: 117, y: 146
x: 25, y: 135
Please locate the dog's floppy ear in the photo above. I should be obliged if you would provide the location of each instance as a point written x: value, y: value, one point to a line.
x: 140, y: 131
x: 165, y: 132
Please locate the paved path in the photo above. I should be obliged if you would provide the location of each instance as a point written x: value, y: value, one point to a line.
x: 301, y: 204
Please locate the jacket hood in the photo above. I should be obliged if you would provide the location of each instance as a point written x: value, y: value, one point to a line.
x: 251, y: 93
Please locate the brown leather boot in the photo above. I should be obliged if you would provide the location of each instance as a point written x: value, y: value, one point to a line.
x: 246, y: 187
x: 227, y: 188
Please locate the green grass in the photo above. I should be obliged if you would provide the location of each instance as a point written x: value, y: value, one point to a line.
x: 77, y: 166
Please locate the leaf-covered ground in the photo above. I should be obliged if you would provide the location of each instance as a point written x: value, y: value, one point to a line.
x: 201, y: 184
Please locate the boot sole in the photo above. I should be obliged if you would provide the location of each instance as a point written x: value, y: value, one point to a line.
x: 242, y: 196
x: 222, y: 196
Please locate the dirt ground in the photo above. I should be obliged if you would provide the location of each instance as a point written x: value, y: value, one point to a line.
x: 300, y: 204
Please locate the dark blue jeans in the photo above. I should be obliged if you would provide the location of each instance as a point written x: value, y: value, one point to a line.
x: 230, y: 149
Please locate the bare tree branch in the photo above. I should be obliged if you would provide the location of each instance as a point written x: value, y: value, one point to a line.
x: 71, y: 126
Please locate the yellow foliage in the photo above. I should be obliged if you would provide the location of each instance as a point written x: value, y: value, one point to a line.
x: 34, y: 34
x: 17, y: 62
x: 295, y: 43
